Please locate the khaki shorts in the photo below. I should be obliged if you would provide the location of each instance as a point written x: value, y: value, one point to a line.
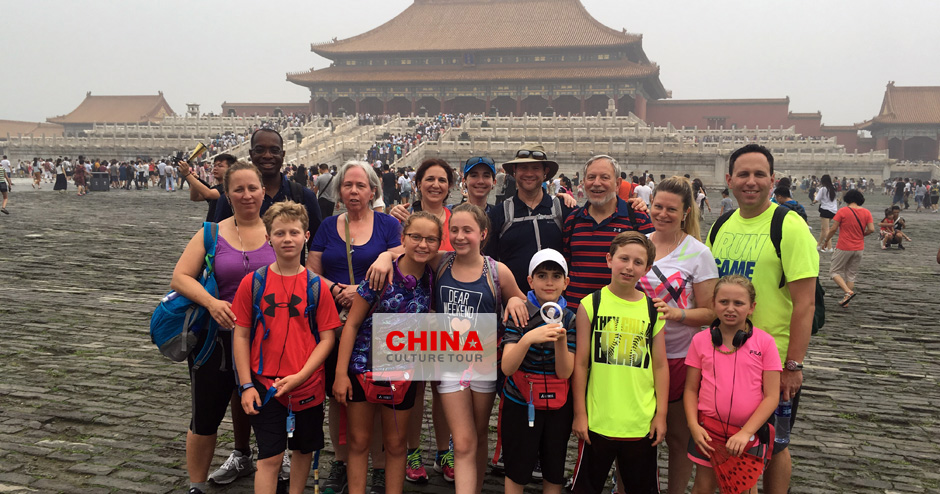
x: 845, y: 263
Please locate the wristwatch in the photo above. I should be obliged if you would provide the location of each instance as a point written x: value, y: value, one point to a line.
x: 793, y: 366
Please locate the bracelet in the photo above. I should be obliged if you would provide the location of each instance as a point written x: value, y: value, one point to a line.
x: 245, y: 387
x: 333, y: 286
x: 683, y: 315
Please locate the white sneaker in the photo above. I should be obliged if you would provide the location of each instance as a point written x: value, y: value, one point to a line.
x: 237, y: 465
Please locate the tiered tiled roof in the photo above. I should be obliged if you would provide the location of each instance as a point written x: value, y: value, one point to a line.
x: 36, y: 129
x: 516, y: 72
x: 478, y: 25
x: 117, y: 109
x: 909, y: 105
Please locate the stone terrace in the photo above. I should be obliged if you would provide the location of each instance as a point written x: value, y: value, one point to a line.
x: 88, y: 405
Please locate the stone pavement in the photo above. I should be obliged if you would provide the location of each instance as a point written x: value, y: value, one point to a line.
x: 87, y: 404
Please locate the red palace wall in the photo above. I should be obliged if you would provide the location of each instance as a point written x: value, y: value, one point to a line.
x: 736, y: 114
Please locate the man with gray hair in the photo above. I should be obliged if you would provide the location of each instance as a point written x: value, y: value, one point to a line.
x: 589, y: 229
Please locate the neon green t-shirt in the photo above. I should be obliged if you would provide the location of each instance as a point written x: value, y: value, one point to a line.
x: 621, y: 398
x: 743, y: 247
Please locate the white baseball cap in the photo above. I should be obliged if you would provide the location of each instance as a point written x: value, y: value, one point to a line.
x: 545, y: 255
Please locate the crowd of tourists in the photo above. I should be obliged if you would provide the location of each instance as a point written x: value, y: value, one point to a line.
x: 228, y: 140
x: 629, y: 275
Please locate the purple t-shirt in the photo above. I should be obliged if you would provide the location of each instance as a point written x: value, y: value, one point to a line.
x: 386, y: 234
x: 231, y: 266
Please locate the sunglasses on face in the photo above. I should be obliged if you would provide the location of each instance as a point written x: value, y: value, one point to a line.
x: 478, y: 160
x: 525, y: 153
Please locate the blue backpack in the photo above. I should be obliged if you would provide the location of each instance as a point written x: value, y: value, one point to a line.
x: 259, y: 278
x: 177, y: 322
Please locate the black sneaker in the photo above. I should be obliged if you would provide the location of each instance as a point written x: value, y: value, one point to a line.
x: 336, y: 483
x: 901, y: 247
x: 537, y: 471
x: 195, y: 490
x: 378, y: 481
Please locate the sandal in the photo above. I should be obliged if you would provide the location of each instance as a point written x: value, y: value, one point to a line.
x: 846, y: 299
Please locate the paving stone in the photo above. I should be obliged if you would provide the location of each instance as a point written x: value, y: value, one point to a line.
x: 81, y: 276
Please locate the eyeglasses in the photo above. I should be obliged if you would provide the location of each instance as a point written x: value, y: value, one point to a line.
x: 478, y: 160
x: 418, y: 239
x: 260, y: 150
x: 525, y: 153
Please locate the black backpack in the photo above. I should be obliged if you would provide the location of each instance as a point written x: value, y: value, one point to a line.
x: 776, y: 235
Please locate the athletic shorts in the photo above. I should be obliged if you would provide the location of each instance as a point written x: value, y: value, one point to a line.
x: 825, y: 213
x: 636, y: 460
x: 270, y: 426
x: 783, y: 429
x: 677, y: 373
x: 546, y: 442
x: 211, y: 386
x: 359, y: 395
x: 3, y: 187
x: 845, y: 263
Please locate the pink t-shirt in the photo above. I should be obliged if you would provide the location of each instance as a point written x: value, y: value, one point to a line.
x: 759, y: 353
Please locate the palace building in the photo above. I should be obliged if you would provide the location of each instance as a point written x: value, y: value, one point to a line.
x: 503, y: 56
x: 908, y: 124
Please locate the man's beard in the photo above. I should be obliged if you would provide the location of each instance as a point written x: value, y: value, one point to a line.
x: 603, y: 200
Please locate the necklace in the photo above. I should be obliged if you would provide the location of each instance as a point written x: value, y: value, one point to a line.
x: 726, y: 352
x: 679, y: 236
x: 245, y: 261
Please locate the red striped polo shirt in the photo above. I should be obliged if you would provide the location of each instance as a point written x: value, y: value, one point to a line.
x: 587, y: 243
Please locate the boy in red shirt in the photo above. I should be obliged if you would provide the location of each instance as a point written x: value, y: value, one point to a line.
x: 283, y: 354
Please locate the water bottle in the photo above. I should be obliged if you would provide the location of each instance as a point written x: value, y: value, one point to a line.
x: 782, y: 422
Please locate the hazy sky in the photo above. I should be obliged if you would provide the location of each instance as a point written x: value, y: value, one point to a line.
x: 834, y: 56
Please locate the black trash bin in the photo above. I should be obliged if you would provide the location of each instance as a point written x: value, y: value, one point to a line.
x: 100, y: 182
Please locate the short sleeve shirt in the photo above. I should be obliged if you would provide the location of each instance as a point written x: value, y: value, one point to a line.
x: 539, y: 358
x: 324, y: 185
x: 851, y: 227
x: 283, y: 303
x: 386, y: 234
x: 672, y: 279
x: 621, y: 365
x: 741, y: 373
x: 743, y: 247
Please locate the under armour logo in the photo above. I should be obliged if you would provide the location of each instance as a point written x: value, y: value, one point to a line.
x: 618, y: 230
x: 292, y: 310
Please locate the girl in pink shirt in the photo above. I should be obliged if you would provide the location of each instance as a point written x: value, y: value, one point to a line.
x: 733, y: 382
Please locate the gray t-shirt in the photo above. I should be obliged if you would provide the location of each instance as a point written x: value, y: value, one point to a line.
x: 324, y: 186
x: 726, y: 205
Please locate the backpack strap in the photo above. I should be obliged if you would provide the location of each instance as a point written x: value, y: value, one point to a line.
x: 558, y: 214
x: 713, y: 233
x: 313, y: 299
x: 776, y: 236
x: 596, y: 304
x: 258, y: 280
x: 491, y: 270
x: 649, y: 330
x: 210, y: 237
x: 509, y: 214
x: 446, y: 262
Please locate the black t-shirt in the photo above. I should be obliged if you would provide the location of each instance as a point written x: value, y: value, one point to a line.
x: 210, y: 216
x: 388, y: 182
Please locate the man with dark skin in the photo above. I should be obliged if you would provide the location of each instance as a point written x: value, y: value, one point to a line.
x: 267, y: 153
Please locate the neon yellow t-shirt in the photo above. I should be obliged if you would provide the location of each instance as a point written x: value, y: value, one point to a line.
x: 743, y: 247
x: 621, y: 397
